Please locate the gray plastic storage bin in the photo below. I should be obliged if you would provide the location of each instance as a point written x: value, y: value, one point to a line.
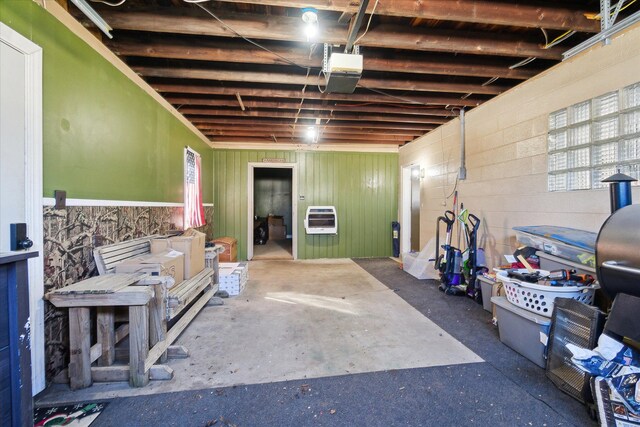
x: 524, y: 331
x: 486, y: 286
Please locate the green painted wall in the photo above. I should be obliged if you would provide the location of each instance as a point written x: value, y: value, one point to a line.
x: 362, y: 186
x: 103, y: 136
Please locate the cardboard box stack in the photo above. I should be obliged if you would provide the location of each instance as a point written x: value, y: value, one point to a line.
x: 277, y: 229
x: 165, y: 263
x: 190, y: 243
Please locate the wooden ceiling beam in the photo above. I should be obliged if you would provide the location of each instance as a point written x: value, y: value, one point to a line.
x: 300, y: 79
x: 197, y: 121
x: 190, y: 112
x: 326, y: 129
x: 356, y: 108
x: 302, y: 133
x: 296, y: 140
x: 549, y: 16
x: 288, y: 29
x: 243, y: 53
x: 292, y: 94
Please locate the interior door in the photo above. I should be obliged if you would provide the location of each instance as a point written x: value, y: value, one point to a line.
x: 12, y: 141
x: 21, y: 169
x: 415, y: 208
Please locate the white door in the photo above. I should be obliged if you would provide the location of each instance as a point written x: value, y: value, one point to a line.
x: 21, y: 168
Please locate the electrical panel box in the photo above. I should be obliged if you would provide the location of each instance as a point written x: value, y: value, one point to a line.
x: 321, y: 220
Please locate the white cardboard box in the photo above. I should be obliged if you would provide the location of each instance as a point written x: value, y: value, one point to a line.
x: 233, y: 277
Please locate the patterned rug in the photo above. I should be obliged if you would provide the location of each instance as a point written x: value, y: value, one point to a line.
x: 79, y: 415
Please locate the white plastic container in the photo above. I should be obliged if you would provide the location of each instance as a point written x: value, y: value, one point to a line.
x: 539, y: 298
x: 557, y: 248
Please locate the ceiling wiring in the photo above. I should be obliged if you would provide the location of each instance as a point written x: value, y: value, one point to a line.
x: 399, y: 98
x: 120, y: 3
x: 321, y: 72
x: 368, y: 22
x: 522, y: 63
x: 248, y: 40
x: 287, y: 60
x: 491, y: 80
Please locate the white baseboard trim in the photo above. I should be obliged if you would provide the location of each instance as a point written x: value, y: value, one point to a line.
x: 50, y: 201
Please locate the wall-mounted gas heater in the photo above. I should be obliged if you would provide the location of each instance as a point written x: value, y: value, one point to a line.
x: 321, y: 220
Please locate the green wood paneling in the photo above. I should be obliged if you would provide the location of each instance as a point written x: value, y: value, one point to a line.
x: 362, y: 186
x: 103, y: 136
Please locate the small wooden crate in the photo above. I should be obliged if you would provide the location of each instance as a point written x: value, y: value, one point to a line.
x: 230, y: 252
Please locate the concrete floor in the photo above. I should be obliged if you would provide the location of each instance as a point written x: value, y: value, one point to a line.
x: 296, y: 320
x: 273, y: 249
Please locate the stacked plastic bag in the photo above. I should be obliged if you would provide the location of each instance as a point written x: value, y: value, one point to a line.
x: 617, y: 365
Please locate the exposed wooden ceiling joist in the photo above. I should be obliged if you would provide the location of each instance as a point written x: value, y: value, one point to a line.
x: 421, y: 59
x: 293, y: 140
x: 362, y: 132
x: 471, y: 101
x: 313, y: 79
x: 482, y: 12
x: 285, y: 28
x: 241, y: 52
x: 316, y: 115
x: 390, y: 109
x: 307, y: 122
x: 301, y: 133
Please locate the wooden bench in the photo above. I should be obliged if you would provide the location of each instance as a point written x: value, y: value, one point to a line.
x: 177, y: 296
x: 170, y: 299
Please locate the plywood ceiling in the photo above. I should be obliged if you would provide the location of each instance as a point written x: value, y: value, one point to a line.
x: 423, y: 61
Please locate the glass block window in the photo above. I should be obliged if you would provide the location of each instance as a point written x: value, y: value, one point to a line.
x: 593, y: 139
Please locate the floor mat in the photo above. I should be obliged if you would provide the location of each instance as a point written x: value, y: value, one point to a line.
x: 79, y: 415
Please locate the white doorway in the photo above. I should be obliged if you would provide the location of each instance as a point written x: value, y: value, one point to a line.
x: 410, y: 209
x: 291, y: 225
x: 21, y: 170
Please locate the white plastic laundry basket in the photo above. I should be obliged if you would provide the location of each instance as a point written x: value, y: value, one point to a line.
x: 539, y: 298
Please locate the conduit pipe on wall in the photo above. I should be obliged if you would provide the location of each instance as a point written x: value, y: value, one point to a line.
x: 462, y: 173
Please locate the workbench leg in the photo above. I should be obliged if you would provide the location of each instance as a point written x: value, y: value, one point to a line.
x: 158, y: 319
x: 216, y: 270
x: 106, y: 335
x: 138, y: 344
x: 80, y: 348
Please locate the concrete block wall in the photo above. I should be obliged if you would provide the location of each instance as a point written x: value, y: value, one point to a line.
x: 506, y: 152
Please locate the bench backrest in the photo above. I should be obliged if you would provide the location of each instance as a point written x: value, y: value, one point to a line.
x: 108, y: 256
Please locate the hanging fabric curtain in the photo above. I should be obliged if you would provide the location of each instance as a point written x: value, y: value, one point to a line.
x: 193, y: 207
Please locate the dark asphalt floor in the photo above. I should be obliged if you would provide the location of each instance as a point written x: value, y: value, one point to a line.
x: 505, y: 390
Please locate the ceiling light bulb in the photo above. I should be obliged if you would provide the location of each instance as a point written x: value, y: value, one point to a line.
x: 310, y: 30
x: 310, y: 18
x: 311, y: 133
x: 309, y: 15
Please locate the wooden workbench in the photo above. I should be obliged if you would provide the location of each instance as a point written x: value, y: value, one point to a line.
x: 105, y: 293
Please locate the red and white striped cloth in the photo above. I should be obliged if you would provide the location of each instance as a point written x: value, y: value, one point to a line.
x: 193, y: 207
